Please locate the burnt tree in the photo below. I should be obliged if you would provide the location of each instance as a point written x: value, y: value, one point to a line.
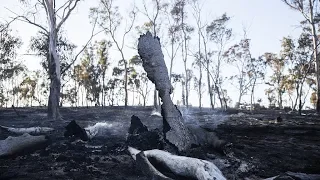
x: 174, y: 130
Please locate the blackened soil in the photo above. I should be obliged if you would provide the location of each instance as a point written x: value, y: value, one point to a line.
x: 256, y: 146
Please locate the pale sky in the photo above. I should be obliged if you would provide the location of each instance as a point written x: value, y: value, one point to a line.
x: 267, y: 21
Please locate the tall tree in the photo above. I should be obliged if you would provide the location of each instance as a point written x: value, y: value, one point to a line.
x: 9, y: 66
x: 103, y: 64
x: 110, y: 19
x: 277, y: 79
x: 179, y: 13
x: 220, y: 35
x: 52, y: 29
x: 27, y: 89
x: 40, y: 46
x: 239, y: 56
x: 309, y: 10
x: 256, y: 71
x: 144, y: 88
x: 90, y: 77
x: 112, y: 93
x: 299, y: 55
x: 199, y: 60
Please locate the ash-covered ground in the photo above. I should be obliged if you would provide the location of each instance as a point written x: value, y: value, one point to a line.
x: 257, y: 147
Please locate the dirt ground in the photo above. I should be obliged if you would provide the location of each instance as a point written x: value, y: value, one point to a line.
x: 257, y: 147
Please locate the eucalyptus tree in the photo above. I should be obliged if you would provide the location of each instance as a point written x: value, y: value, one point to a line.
x: 113, y: 95
x: 239, y: 56
x: 309, y: 10
x: 39, y: 46
x: 219, y: 34
x: 110, y: 19
x: 179, y: 13
x: 299, y: 55
x: 256, y: 69
x: 102, y: 49
x: 90, y: 76
x: 9, y: 66
x: 143, y: 89
x: 179, y: 78
x: 27, y: 89
x: 277, y: 79
x: 51, y: 29
x: 198, y: 55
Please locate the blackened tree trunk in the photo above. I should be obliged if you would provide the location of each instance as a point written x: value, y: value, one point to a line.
x: 174, y: 130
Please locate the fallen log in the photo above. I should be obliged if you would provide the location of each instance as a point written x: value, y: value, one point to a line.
x: 30, y: 130
x: 168, y: 164
x: 13, y: 146
x: 174, y: 130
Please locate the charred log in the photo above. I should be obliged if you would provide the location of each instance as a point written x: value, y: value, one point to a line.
x: 176, y: 167
x: 14, y: 146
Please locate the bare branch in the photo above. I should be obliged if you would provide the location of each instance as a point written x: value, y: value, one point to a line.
x: 8, y: 24
x: 25, y: 19
x: 290, y: 5
x: 62, y: 6
x: 83, y: 48
x: 128, y: 30
x: 298, y: 7
x: 64, y: 18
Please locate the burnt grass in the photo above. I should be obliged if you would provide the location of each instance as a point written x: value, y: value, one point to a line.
x: 256, y: 148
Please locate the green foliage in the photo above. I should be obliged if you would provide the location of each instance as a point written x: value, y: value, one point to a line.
x: 217, y: 30
x: 112, y: 93
x: 177, y: 78
x: 28, y: 87
x: 136, y: 60
x: 40, y: 45
x: 10, y: 68
x: 239, y: 56
x: 8, y: 52
x: 90, y: 73
x: 298, y: 54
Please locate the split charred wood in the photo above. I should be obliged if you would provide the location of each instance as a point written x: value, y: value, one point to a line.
x: 14, y: 146
x: 174, y: 130
x: 140, y: 137
x: 136, y: 126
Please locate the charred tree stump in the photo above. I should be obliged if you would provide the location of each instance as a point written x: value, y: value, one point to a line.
x: 74, y: 130
x: 136, y: 126
x: 175, y: 131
